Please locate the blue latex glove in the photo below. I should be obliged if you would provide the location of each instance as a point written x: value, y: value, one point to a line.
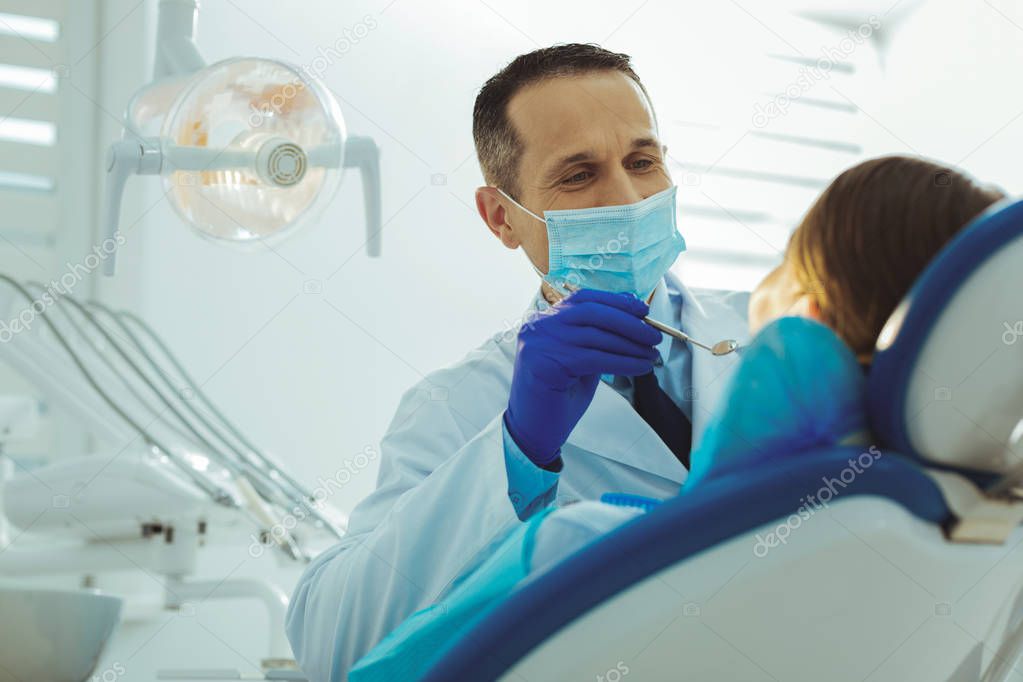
x: 561, y: 356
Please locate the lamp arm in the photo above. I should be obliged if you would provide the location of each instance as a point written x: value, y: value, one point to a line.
x: 176, y: 51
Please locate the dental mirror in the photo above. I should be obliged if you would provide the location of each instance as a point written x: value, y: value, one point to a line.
x: 723, y: 347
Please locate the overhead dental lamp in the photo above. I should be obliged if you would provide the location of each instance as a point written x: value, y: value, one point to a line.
x: 248, y: 148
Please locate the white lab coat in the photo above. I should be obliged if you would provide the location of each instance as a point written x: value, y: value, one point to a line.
x: 442, y: 492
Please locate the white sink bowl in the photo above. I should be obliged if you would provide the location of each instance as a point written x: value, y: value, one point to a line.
x: 53, y: 636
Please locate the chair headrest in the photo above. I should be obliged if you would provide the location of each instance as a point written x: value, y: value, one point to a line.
x: 946, y: 384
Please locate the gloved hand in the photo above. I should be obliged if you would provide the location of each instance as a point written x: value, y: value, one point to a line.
x: 561, y: 356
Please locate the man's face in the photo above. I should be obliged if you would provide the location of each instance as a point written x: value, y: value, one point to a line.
x: 588, y: 140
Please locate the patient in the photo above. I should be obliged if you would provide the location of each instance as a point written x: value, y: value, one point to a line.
x: 854, y: 256
x: 799, y: 385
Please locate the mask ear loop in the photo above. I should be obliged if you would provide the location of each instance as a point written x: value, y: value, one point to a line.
x: 561, y: 291
x: 506, y: 196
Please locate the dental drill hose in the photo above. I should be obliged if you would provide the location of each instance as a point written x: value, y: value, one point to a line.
x: 216, y: 493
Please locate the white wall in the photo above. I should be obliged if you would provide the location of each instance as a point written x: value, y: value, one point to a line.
x: 950, y: 87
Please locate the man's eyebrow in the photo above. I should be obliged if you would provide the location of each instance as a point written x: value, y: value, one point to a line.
x: 564, y: 161
x: 560, y: 164
x: 641, y: 142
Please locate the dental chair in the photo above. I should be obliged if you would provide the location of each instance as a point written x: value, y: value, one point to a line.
x: 908, y: 568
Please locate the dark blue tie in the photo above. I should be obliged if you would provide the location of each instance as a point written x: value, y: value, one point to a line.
x: 659, y: 411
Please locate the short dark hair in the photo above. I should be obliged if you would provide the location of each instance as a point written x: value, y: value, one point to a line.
x: 498, y: 146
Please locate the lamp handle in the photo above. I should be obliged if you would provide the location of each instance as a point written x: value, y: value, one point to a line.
x: 363, y: 153
x: 125, y: 158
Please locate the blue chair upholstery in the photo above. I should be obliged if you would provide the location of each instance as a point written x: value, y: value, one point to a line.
x: 675, y: 531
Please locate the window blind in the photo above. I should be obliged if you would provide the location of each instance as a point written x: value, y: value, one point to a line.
x: 755, y: 133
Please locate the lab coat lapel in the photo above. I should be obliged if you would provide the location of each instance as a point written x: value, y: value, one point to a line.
x: 612, y: 428
x: 709, y: 319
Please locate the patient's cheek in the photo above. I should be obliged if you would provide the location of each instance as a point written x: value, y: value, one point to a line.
x: 763, y: 307
x: 755, y: 312
x: 778, y: 295
x: 760, y: 301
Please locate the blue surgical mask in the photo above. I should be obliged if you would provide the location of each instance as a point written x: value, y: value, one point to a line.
x: 624, y: 248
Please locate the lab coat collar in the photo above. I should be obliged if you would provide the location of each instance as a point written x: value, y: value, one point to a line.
x: 661, y: 310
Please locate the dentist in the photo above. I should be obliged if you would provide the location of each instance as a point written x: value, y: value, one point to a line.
x: 585, y: 398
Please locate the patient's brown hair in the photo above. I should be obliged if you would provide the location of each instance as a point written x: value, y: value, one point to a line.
x: 871, y: 234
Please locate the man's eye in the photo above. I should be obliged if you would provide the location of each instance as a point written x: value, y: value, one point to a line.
x: 581, y: 176
x: 640, y: 164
